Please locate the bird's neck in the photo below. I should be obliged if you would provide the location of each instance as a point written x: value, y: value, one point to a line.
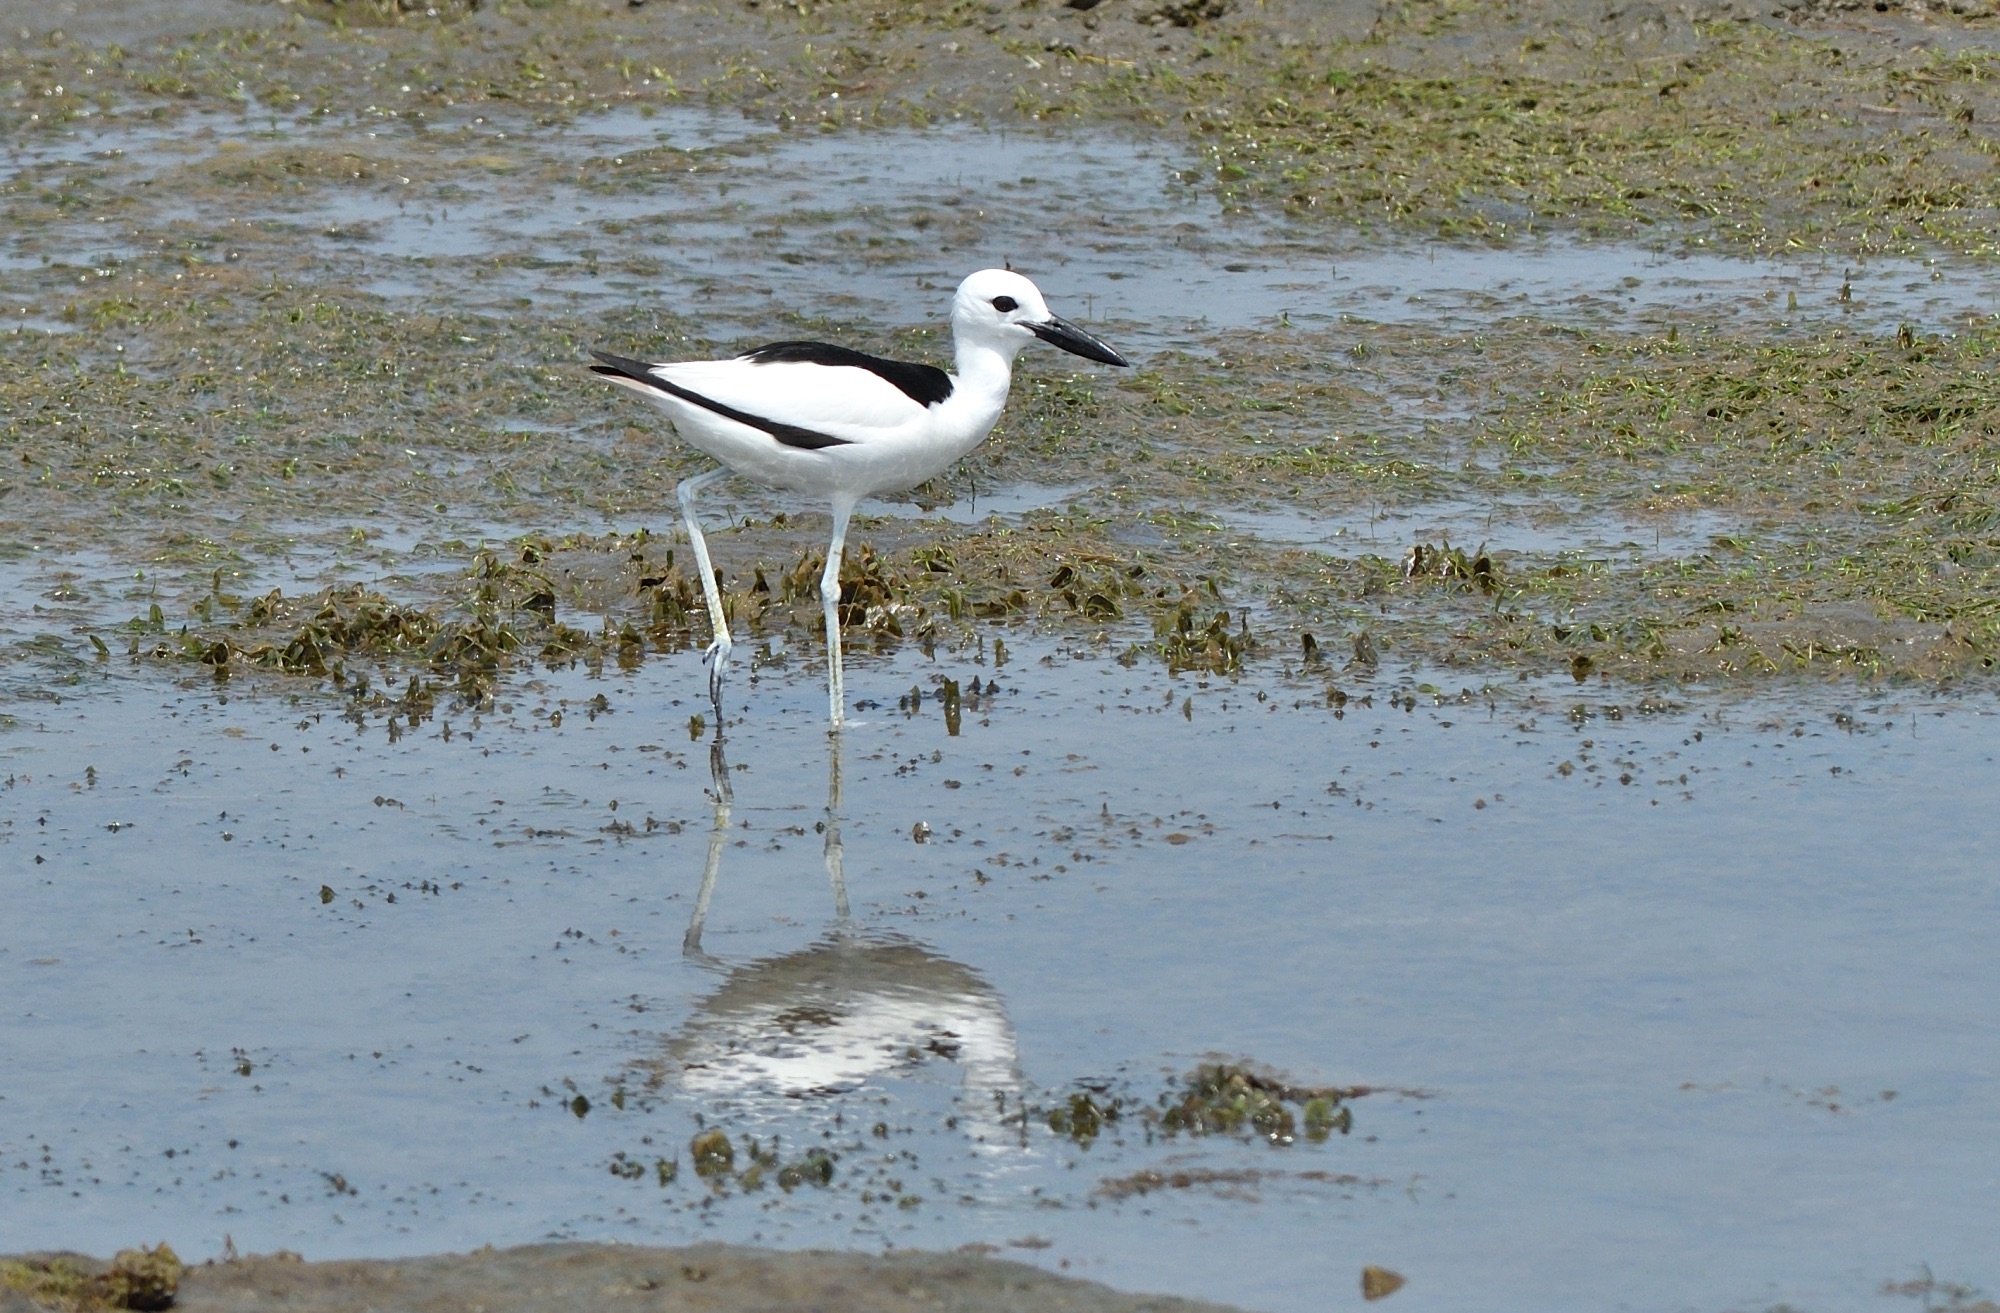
x: 984, y: 371
x: 978, y: 394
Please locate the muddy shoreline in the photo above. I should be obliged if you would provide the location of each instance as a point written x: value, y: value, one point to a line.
x: 549, y: 1278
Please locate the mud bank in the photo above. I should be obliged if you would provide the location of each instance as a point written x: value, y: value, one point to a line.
x: 597, y: 1278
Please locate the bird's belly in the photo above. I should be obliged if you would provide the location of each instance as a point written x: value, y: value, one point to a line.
x: 890, y: 469
x: 891, y: 462
x: 899, y: 461
x: 749, y: 452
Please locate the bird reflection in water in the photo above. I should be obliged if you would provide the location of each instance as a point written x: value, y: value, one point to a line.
x: 853, y: 1008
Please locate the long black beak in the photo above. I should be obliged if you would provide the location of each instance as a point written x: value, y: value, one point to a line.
x: 1061, y: 332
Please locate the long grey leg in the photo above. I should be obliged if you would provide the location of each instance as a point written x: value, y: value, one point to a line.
x: 718, y: 650
x: 829, y: 596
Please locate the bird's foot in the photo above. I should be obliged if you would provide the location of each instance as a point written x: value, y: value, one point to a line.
x: 717, y: 658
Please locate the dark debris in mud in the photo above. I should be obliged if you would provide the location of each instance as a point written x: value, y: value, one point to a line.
x: 503, y: 613
x: 1225, y: 1100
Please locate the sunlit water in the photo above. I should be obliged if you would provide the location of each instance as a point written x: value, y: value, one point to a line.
x: 1704, y: 1022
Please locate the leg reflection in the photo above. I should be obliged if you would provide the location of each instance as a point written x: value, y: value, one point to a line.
x: 724, y: 797
x: 718, y: 835
x: 836, y: 872
x: 859, y: 1011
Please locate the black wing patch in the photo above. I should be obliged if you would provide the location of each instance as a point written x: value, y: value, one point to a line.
x: 791, y: 435
x: 924, y: 384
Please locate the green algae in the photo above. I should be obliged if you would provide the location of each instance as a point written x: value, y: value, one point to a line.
x: 146, y: 1278
x: 1223, y: 1100
x: 504, y: 615
x: 1229, y: 1099
x: 714, y: 1155
x: 1860, y: 469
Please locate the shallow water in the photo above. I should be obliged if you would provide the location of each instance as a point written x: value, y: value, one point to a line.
x: 1550, y: 530
x: 709, y: 213
x: 976, y: 506
x: 1701, y: 1039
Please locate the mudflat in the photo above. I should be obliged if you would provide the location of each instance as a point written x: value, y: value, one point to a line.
x: 559, y: 1278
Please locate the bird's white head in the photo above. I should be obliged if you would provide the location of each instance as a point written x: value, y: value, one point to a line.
x: 1001, y: 310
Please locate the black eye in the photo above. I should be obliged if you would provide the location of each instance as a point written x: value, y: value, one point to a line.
x: 1005, y: 304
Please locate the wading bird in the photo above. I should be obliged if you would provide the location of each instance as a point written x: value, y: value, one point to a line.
x: 824, y: 420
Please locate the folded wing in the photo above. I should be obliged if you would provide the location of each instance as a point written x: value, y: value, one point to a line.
x: 802, y: 401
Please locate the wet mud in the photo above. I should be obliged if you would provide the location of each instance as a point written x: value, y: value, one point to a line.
x: 544, y: 1278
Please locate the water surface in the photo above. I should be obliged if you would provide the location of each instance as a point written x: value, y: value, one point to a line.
x: 1667, y: 1007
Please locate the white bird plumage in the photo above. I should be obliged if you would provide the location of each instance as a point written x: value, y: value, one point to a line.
x: 823, y: 420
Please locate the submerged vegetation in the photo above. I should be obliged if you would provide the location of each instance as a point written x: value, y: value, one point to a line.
x: 1224, y: 1099
x: 504, y: 613
x: 1231, y: 1105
